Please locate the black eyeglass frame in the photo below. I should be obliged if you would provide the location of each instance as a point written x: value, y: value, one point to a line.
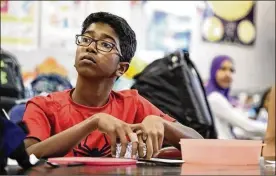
x: 96, y: 42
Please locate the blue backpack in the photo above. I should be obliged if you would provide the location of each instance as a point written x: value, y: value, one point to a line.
x: 45, y: 83
x: 49, y: 83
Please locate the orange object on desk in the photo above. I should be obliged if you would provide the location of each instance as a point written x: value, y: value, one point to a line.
x: 221, y: 152
x: 169, y: 153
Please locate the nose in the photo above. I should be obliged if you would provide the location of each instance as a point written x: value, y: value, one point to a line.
x: 229, y: 73
x: 92, y: 47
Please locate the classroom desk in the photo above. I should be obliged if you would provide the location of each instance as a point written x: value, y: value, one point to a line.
x: 147, y: 169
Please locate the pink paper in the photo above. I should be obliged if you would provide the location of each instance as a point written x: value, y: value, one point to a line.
x: 221, y: 152
x: 93, y: 161
x: 197, y: 169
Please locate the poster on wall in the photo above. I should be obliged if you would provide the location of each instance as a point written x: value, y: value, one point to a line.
x: 62, y: 20
x: 4, y: 6
x: 229, y: 22
x: 168, y: 32
x: 19, y: 24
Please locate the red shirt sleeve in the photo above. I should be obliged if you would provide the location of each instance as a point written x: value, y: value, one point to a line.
x: 36, y: 121
x: 145, y: 108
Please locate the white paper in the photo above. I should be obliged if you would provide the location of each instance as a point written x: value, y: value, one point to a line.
x: 12, y: 162
x: 33, y: 159
x: 169, y: 161
x: 270, y: 162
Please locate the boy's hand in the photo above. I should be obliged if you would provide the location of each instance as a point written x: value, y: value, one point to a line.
x: 154, y: 128
x: 116, y: 128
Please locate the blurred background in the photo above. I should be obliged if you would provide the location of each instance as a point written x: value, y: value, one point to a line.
x: 41, y: 35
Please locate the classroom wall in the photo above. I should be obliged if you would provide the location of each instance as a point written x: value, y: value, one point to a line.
x: 255, y: 65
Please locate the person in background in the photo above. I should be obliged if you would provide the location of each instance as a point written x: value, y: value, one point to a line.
x: 270, y: 135
x: 90, y: 119
x: 262, y: 109
x: 259, y: 113
x: 226, y: 116
x: 249, y: 102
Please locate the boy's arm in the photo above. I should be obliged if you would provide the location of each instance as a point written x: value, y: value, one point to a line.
x: 39, y: 140
x: 160, y: 126
x: 41, y: 143
x: 61, y: 143
x: 158, y: 129
x: 174, y: 131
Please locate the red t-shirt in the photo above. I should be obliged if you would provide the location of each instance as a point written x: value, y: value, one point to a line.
x: 47, y: 116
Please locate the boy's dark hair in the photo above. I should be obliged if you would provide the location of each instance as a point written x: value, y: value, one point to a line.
x: 126, y: 35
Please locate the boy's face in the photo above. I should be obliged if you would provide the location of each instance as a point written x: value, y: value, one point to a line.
x: 93, y: 63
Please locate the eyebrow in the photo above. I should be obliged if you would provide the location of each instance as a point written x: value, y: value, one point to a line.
x: 102, y: 35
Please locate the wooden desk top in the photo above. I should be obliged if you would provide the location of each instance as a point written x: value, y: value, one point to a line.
x: 147, y: 169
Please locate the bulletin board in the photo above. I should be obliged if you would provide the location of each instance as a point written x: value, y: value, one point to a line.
x: 19, y: 24
x: 229, y: 22
x: 61, y: 21
x: 168, y: 32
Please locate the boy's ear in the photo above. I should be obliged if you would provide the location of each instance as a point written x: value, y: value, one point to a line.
x: 122, y: 68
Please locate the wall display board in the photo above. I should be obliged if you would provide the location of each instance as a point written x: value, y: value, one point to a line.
x: 61, y: 20
x: 168, y: 32
x: 19, y: 24
x: 229, y: 22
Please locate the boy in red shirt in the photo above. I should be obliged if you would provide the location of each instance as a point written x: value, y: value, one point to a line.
x: 88, y: 120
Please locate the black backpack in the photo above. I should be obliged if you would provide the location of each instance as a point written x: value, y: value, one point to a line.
x: 11, y: 82
x: 174, y: 86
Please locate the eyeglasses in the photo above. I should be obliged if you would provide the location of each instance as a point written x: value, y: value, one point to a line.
x: 101, y: 45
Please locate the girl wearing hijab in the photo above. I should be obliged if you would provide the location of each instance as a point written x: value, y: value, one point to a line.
x: 226, y: 116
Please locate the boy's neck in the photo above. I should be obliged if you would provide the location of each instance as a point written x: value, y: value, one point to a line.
x: 93, y: 93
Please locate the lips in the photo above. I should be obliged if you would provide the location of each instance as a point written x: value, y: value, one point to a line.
x: 87, y: 57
